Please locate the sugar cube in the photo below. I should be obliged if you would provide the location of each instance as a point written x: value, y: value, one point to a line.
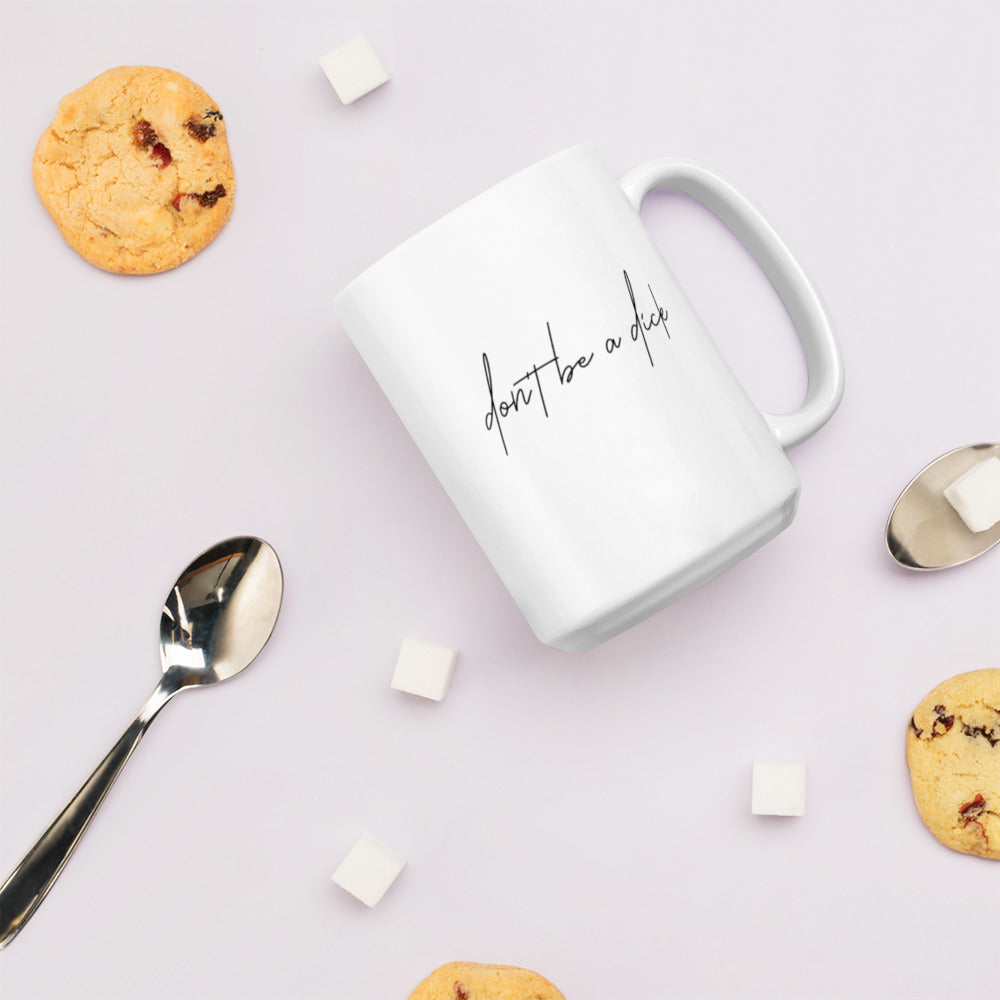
x: 424, y: 668
x: 976, y: 495
x: 779, y: 788
x: 354, y: 69
x: 369, y: 869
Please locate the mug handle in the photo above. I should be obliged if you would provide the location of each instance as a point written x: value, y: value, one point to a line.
x: 824, y: 365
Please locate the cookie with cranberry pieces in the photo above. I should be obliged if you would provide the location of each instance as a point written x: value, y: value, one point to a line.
x: 953, y: 752
x: 135, y: 170
x: 473, y: 981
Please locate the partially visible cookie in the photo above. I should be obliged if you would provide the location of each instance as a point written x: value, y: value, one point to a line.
x: 473, y: 981
x: 135, y: 170
x: 953, y: 752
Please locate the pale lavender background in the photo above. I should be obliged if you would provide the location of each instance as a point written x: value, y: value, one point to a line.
x: 584, y: 815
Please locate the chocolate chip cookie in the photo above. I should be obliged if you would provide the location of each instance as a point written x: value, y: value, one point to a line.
x: 473, y: 981
x: 135, y: 170
x: 953, y: 752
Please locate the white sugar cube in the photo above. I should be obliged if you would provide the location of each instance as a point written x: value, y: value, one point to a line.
x: 779, y: 788
x: 369, y: 869
x: 354, y: 69
x: 424, y: 668
x: 976, y: 495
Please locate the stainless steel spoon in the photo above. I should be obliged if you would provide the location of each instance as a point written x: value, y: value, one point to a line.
x: 924, y: 530
x: 216, y: 619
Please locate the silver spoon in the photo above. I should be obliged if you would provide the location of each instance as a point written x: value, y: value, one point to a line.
x: 215, y: 621
x: 924, y: 530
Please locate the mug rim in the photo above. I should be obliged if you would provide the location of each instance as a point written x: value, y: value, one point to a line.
x: 490, y: 191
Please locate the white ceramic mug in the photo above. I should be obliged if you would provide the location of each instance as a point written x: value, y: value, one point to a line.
x: 556, y: 378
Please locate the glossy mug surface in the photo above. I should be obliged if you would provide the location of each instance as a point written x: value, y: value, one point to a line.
x: 572, y: 404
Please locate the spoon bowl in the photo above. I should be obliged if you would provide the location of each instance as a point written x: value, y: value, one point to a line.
x: 924, y: 531
x: 216, y: 619
x: 221, y: 611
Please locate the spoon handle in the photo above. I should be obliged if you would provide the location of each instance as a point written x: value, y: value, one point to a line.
x: 31, y: 880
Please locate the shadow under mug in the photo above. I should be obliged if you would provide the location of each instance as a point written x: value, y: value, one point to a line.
x: 559, y: 383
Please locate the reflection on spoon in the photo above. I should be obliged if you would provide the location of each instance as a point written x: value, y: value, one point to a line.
x: 924, y: 530
x: 215, y: 621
